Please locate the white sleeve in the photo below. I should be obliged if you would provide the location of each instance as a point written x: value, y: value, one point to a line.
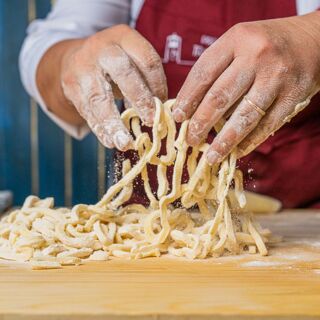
x: 69, y: 19
x: 307, y: 6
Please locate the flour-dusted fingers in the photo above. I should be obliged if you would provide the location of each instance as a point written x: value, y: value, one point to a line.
x: 93, y: 98
x: 281, y: 112
x: 277, y: 62
x: 205, y: 71
x: 223, y: 94
x: 118, y: 66
x: 110, y: 128
x: 118, y: 63
x: 148, y: 62
x: 244, y: 119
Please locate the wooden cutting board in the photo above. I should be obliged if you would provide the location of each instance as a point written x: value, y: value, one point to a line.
x: 284, y: 285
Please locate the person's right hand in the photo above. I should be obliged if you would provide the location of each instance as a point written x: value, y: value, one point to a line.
x: 114, y: 63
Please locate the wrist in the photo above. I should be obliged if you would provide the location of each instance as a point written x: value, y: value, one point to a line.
x: 48, y: 79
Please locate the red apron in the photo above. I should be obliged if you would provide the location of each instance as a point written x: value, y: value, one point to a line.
x: 286, y: 165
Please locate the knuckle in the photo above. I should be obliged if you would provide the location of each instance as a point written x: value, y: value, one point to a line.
x: 153, y: 62
x: 93, y: 92
x: 224, y: 146
x: 95, y: 99
x: 116, y: 62
x: 263, y: 45
x: 200, y: 74
x: 144, y: 102
x: 260, y: 38
x: 239, y: 29
x: 145, y: 109
x: 219, y: 99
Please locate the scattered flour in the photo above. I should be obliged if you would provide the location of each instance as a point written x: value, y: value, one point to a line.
x: 262, y: 263
x: 298, y: 256
x: 311, y: 243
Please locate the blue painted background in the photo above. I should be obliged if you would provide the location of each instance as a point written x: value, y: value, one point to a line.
x: 15, y: 127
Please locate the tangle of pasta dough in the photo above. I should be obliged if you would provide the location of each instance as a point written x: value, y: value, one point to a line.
x: 50, y: 238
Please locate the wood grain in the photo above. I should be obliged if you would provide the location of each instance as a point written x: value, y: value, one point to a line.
x: 284, y: 285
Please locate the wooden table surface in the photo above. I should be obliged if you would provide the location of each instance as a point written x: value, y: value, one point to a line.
x: 284, y: 285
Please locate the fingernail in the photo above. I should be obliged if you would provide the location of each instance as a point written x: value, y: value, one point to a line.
x: 122, y: 140
x: 179, y: 115
x: 213, y: 157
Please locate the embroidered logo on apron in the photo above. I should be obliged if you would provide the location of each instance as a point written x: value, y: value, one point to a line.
x: 173, y: 49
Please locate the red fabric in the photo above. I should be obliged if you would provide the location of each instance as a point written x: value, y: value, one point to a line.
x: 286, y: 165
x: 193, y: 19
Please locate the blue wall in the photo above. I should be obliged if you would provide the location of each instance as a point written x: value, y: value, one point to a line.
x: 36, y: 157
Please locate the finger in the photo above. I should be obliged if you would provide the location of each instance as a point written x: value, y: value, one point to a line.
x: 102, y: 114
x: 205, y: 71
x: 224, y: 93
x: 281, y: 112
x: 116, y: 63
x: 231, y: 110
x: 148, y: 62
x: 244, y: 119
x: 127, y: 104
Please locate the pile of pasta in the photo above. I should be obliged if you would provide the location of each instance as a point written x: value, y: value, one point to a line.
x: 51, y: 238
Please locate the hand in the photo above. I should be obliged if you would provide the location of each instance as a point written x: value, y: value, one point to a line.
x: 114, y: 63
x: 270, y: 67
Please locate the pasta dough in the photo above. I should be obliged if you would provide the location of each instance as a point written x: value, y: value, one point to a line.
x: 50, y: 238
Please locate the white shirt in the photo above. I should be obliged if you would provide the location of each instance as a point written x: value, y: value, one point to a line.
x: 71, y: 19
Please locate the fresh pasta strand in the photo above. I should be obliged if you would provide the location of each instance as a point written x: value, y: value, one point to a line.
x: 52, y: 238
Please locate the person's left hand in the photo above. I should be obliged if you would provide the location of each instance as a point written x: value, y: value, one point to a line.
x: 261, y: 73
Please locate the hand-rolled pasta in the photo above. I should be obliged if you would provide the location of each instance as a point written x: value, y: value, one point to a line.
x: 51, y: 238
